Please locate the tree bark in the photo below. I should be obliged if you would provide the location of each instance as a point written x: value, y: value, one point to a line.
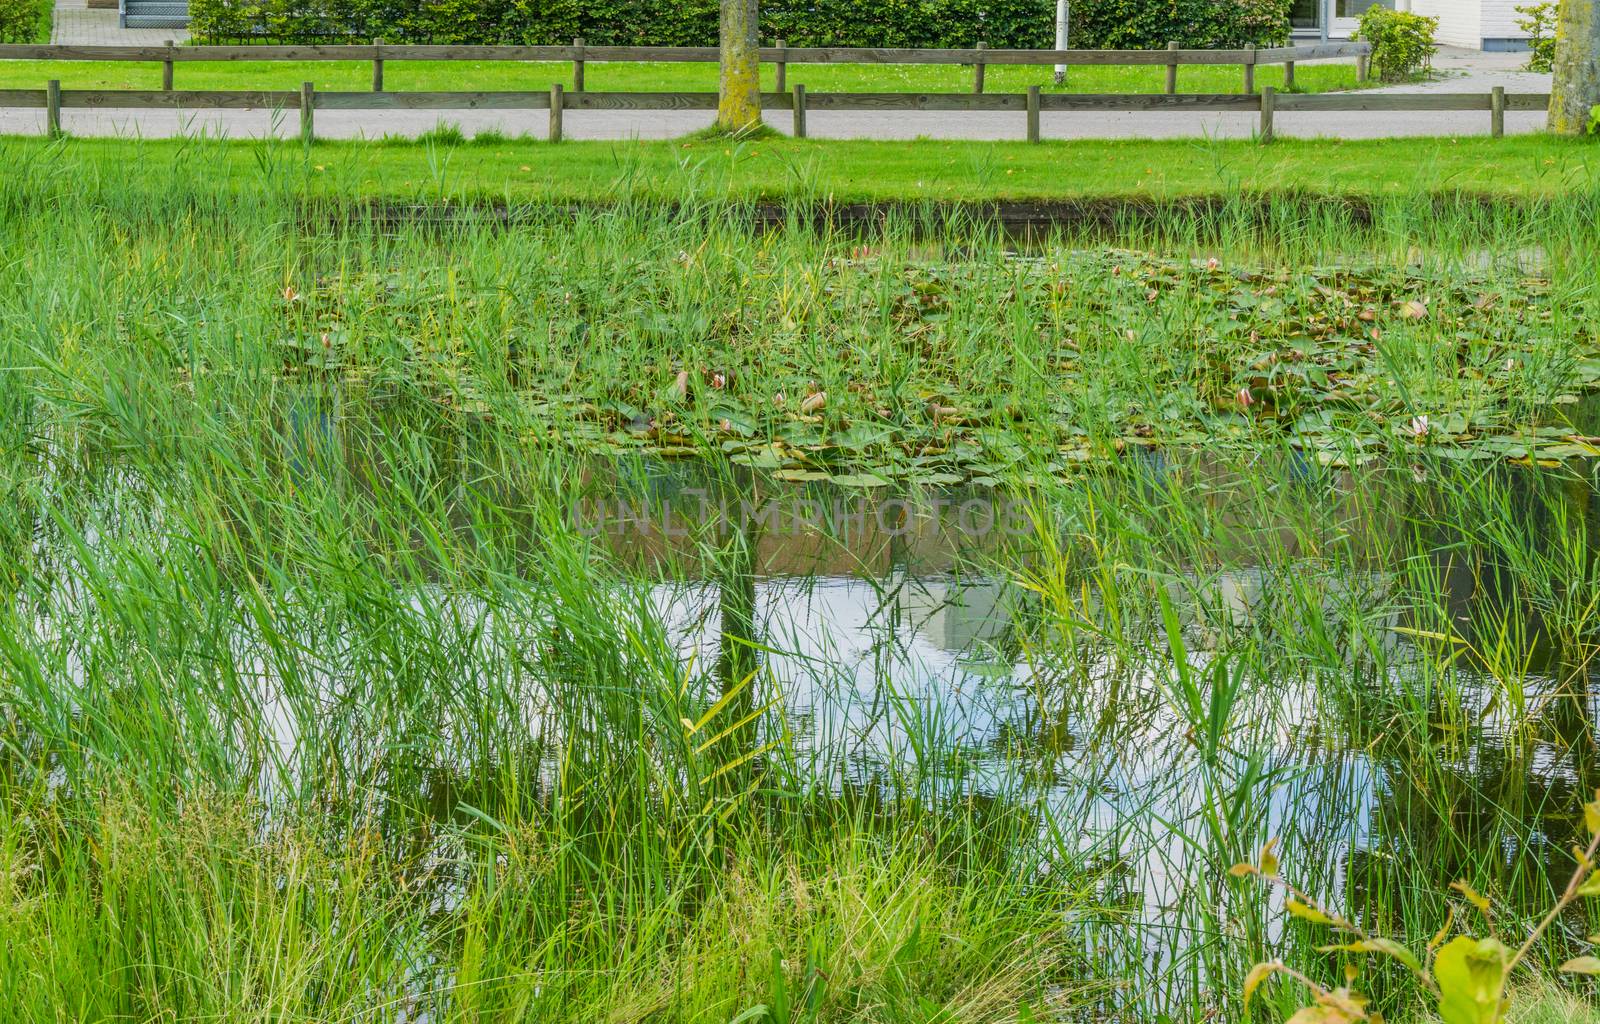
x: 739, y: 89
x: 1576, y: 91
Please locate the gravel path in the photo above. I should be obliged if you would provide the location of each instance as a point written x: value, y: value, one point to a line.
x: 1462, y: 71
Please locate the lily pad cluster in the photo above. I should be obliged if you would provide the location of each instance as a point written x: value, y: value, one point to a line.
x: 869, y: 367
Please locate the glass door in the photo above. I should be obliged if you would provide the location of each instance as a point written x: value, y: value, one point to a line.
x: 1347, y: 13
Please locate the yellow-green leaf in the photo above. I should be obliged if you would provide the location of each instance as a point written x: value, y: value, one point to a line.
x: 1590, y: 886
x: 1472, y: 896
x: 1391, y: 948
x: 1582, y: 965
x: 1591, y: 816
x: 1258, y: 974
x: 1444, y: 931
x: 1306, y: 912
x: 1269, y: 859
x: 1472, y: 978
x: 1387, y: 947
x: 1243, y: 870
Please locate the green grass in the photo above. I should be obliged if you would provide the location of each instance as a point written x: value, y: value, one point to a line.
x: 316, y: 702
x: 1533, y: 167
x: 401, y: 76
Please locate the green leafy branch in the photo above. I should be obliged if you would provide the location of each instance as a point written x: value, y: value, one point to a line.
x: 1467, y: 975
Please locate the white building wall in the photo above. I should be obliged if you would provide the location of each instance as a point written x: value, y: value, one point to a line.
x: 1500, y: 22
x: 1460, y: 21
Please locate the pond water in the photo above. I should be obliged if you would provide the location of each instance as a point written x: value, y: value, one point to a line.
x: 884, y: 648
x: 1373, y: 684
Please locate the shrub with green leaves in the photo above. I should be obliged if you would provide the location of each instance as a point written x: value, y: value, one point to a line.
x: 1403, y: 43
x: 1192, y: 24
x: 1539, y: 21
x: 1022, y: 24
x: 1002, y: 23
x: 24, y: 21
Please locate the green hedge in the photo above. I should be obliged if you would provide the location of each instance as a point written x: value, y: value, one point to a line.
x: 1024, y: 24
x: 1192, y: 24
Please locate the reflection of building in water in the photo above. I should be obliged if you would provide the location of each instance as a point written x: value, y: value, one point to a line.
x: 953, y: 615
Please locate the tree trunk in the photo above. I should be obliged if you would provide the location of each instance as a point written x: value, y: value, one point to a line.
x: 1577, y: 69
x: 739, y: 93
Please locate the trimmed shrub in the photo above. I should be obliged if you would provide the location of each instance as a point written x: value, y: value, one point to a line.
x: 25, y: 21
x: 1002, y: 23
x: 1021, y: 24
x: 1402, y: 43
x: 1192, y: 24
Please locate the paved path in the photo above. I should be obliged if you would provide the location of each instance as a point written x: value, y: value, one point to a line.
x: 77, y: 25
x: 1461, y: 71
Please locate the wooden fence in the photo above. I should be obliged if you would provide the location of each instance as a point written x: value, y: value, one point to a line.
x: 558, y: 98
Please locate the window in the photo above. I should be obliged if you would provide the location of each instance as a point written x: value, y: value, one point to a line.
x: 1356, y: 8
x: 1306, y: 14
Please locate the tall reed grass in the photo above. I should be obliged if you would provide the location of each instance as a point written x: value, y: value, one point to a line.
x: 316, y: 703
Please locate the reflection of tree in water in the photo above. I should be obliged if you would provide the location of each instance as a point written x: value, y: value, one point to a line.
x: 1483, y: 779
x: 737, y: 660
x: 1500, y: 813
x: 1513, y: 557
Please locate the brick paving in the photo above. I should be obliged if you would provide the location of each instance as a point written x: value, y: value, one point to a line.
x: 76, y: 24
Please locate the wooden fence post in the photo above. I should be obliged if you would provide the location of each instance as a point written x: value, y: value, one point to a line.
x: 308, y: 103
x: 166, y: 69
x: 1363, y: 68
x: 558, y: 102
x: 783, y: 68
x: 977, y: 69
x: 799, y: 111
x: 1172, y: 70
x: 1497, y: 112
x: 1288, y: 75
x: 577, y: 66
x: 52, y: 108
x: 377, y: 65
x: 1250, y: 72
x: 1033, y: 113
x: 1269, y: 106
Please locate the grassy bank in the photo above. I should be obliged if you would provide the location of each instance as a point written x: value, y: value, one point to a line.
x: 497, y: 169
x: 401, y: 76
x: 320, y: 699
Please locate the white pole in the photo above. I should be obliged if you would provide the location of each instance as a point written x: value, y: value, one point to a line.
x: 1061, y: 38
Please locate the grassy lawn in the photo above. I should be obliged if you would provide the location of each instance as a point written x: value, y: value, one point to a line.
x: 494, y: 76
x: 525, y: 170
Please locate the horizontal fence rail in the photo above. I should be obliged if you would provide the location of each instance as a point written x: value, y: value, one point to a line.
x: 308, y: 100
x: 687, y: 54
x: 980, y: 57
x: 558, y: 98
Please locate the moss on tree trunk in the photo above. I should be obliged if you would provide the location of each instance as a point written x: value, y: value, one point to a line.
x: 739, y: 102
x: 1577, y: 66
